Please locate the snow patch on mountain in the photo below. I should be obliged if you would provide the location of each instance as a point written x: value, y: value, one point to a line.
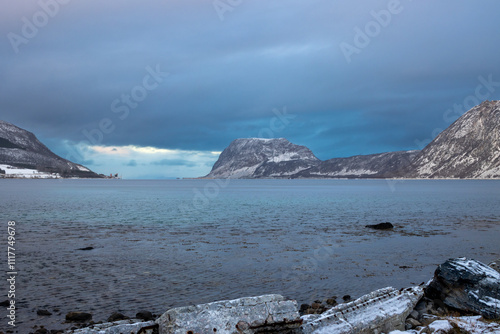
x: 25, y: 173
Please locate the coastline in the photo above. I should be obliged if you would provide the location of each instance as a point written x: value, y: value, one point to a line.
x: 408, y: 310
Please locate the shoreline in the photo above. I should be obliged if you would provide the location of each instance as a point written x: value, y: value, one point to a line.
x: 409, y: 306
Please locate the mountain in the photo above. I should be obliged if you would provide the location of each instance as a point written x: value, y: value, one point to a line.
x: 20, y: 148
x: 380, y: 165
x: 262, y: 158
x: 469, y: 148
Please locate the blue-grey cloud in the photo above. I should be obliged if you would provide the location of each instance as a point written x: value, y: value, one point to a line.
x: 131, y: 163
x: 174, y: 162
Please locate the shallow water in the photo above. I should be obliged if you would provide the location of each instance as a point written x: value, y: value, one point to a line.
x: 161, y: 244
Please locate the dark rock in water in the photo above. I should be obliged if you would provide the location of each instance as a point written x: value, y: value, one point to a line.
x: 43, y: 312
x: 381, y: 226
x: 86, y: 248
x: 316, y: 305
x: 304, y: 308
x: 332, y: 301
x: 117, y: 316
x: 5, y: 303
x: 78, y: 316
x: 467, y: 285
x: 144, y: 315
x: 346, y: 298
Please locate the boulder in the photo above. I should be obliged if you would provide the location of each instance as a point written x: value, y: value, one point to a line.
x: 129, y: 326
x: 263, y: 314
x: 381, y: 226
x: 381, y: 311
x: 495, y: 265
x: 467, y: 285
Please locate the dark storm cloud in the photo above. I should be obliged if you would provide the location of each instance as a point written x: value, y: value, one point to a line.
x: 226, y: 77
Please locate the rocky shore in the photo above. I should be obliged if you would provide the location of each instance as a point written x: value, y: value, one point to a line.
x: 462, y: 297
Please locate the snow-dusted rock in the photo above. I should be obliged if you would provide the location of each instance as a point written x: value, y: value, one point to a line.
x: 469, y: 148
x: 262, y: 158
x: 244, y: 315
x: 467, y: 285
x: 381, y: 311
x: 470, y: 325
x: 130, y: 326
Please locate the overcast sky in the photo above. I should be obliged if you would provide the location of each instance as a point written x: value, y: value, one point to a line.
x: 155, y: 89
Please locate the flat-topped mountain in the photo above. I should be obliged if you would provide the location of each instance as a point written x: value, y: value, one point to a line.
x: 469, y: 148
x: 262, y: 158
x: 20, y: 148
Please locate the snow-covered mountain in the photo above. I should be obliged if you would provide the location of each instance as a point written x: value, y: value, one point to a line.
x: 21, y: 151
x: 469, y: 148
x: 382, y: 165
x: 262, y: 158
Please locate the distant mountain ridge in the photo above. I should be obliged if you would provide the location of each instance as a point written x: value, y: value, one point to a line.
x: 381, y: 165
x: 469, y: 148
x: 20, y: 148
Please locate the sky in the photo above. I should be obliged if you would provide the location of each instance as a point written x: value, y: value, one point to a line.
x: 157, y: 89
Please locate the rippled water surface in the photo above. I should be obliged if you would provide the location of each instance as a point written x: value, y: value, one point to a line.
x: 160, y: 244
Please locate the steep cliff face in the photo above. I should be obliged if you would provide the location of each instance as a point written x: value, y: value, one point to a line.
x: 261, y: 158
x: 21, y: 148
x: 469, y: 148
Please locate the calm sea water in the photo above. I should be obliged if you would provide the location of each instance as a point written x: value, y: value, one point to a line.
x: 161, y: 244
